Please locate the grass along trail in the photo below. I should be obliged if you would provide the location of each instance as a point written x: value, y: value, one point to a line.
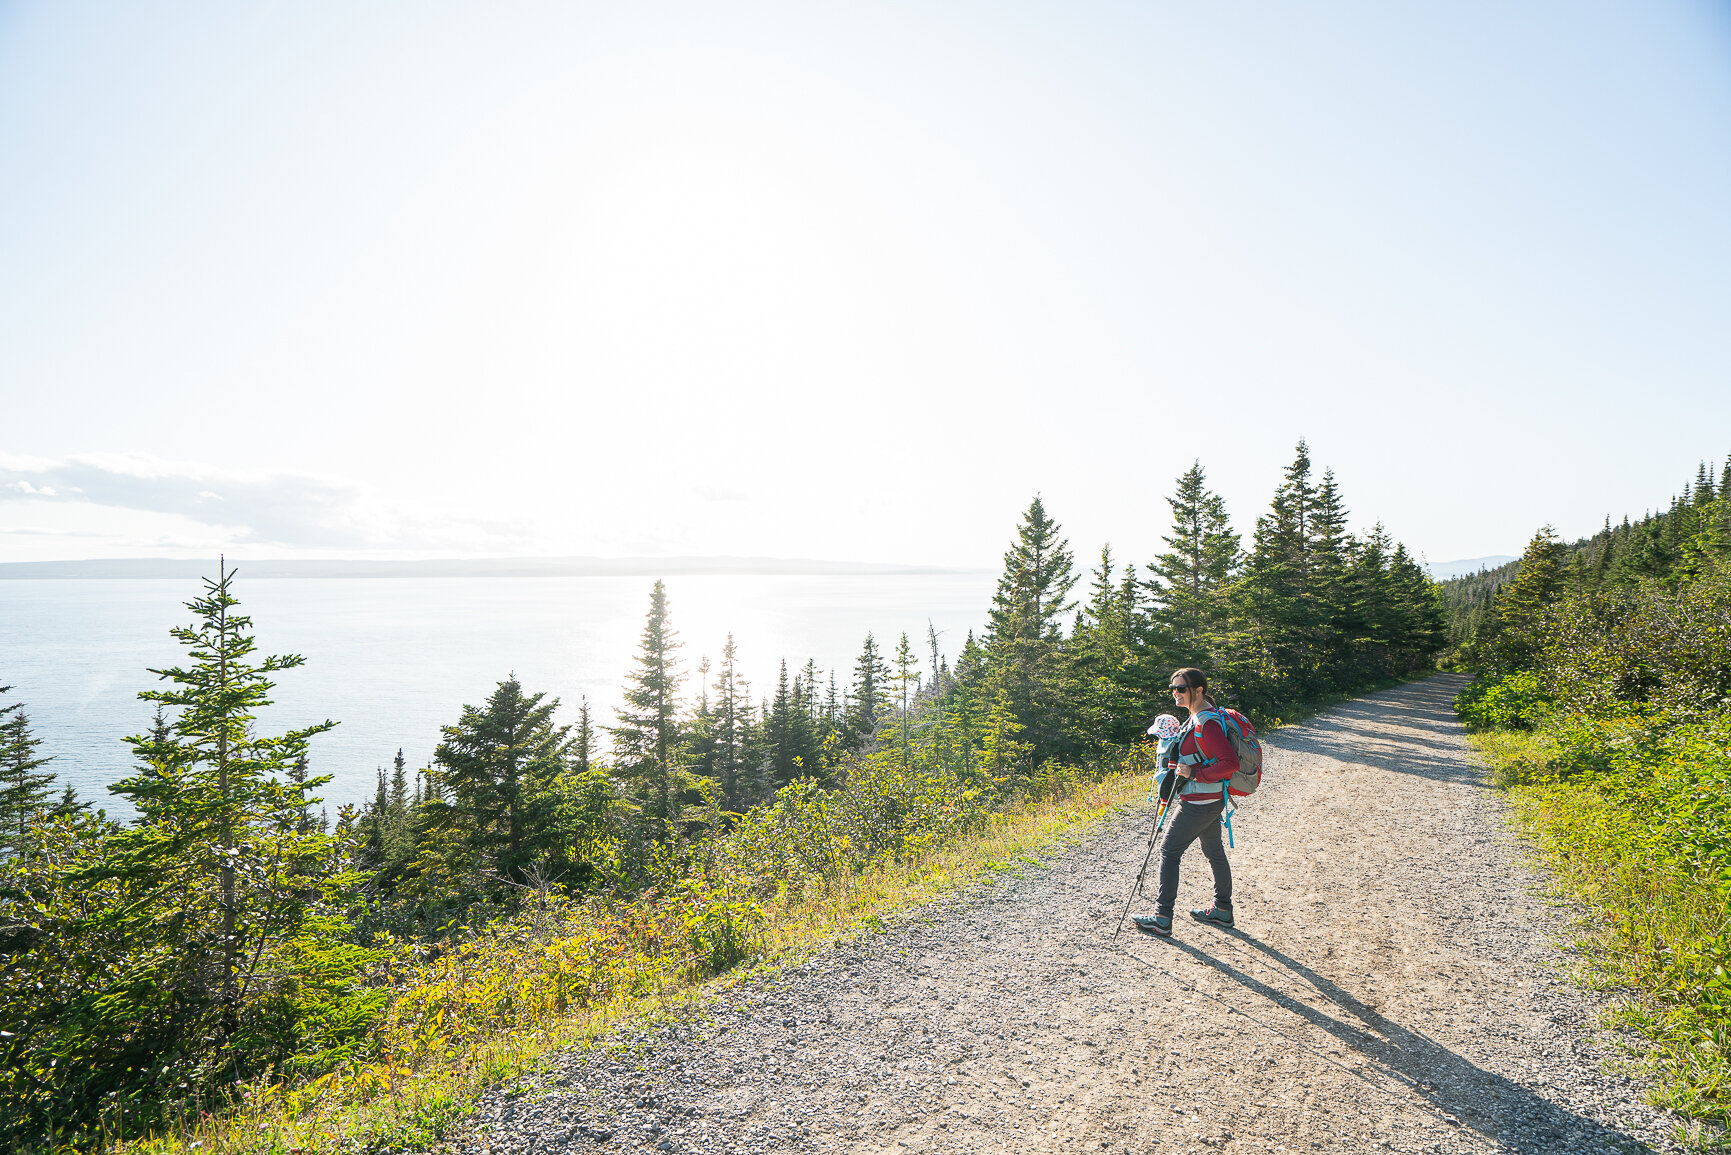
x: 1393, y: 984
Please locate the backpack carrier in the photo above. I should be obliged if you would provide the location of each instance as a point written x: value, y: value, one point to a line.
x: 1245, y: 744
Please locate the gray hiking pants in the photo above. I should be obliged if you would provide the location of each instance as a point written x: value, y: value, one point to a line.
x: 1194, y: 822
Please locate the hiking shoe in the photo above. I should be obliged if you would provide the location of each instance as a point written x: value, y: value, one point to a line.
x: 1218, y: 915
x: 1154, y: 924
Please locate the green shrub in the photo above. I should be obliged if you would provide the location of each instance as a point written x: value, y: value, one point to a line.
x: 1512, y: 702
x: 721, y: 923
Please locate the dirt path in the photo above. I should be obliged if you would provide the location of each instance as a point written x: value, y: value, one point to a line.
x: 1392, y: 985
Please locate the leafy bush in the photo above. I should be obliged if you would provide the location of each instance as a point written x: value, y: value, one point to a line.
x: 1512, y: 702
x: 1648, y: 645
x: 720, y: 923
x: 1634, y: 815
x: 885, y: 810
x: 1617, y: 742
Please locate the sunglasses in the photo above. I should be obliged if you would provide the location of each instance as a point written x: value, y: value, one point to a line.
x: 1180, y: 689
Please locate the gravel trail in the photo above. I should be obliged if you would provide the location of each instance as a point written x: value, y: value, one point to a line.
x: 1394, y: 983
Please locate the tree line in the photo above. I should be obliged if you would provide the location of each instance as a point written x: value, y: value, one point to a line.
x: 1669, y: 547
x: 229, y: 930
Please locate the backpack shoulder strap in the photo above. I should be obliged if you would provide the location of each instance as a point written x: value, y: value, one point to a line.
x: 1228, y: 723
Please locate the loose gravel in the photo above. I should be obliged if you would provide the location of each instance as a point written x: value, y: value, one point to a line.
x: 1394, y: 983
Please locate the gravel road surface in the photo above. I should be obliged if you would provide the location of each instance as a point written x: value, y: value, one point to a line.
x: 1394, y: 983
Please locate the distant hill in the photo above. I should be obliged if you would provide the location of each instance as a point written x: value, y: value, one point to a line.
x: 1443, y: 570
x: 143, y: 567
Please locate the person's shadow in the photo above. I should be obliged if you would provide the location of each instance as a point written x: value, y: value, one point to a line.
x: 1499, y: 1110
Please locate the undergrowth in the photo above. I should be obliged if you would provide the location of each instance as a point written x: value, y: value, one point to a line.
x: 1631, y: 817
x: 486, y: 1010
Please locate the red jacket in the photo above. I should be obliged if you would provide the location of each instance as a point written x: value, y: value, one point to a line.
x: 1208, y: 777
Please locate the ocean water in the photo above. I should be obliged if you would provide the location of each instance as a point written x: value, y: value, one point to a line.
x: 391, y: 660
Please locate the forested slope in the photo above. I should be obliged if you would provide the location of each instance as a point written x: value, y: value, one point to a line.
x: 230, y: 956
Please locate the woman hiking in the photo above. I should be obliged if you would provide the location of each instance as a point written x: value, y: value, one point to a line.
x: 1202, y: 744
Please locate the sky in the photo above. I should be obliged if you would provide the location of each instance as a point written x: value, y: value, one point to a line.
x: 849, y: 281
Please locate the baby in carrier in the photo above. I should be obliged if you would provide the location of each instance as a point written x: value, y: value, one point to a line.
x: 1167, y: 732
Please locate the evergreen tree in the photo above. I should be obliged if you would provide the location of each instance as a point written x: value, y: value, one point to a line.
x: 1279, y: 640
x: 1371, y: 619
x: 498, y: 771
x: 1025, y: 638
x: 870, y: 695
x: 1190, y: 579
x: 698, y: 731
x: 1422, y: 625
x: 731, y: 730
x: 1522, y: 604
x: 69, y: 805
x: 1281, y: 560
x: 374, y: 819
x: 646, y: 742
x: 937, y: 658
x: 225, y: 876
x: 399, y: 825
x: 24, y: 789
x: 907, y: 680
x: 1330, y: 561
x: 1107, y: 702
x: 1602, y: 556
x: 940, y: 679
x: 583, y: 741
x: 787, y: 735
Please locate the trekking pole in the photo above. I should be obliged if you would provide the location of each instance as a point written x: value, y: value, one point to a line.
x: 1166, y: 805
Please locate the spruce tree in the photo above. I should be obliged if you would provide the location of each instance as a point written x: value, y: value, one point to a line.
x: 698, y: 730
x: 783, y: 721
x: 870, y: 695
x: 1601, y: 556
x: 1280, y: 616
x: 399, y: 831
x: 498, y: 769
x: 1026, y: 637
x: 646, y: 742
x: 1523, y: 602
x: 1284, y: 536
x: 1105, y: 684
x: 24, y: 789
x: 583, y: 741
x: 731, y: 730
x: 1372, y: 623
x: 219, y: 849
x: 937, y: 658
x: 299, y: 773
x: 374, y: 820
x: 1421, y: 620
x: 1330, y: 562
x: 813, y: 704
x: 1189, y: 580
x: 907, y: 680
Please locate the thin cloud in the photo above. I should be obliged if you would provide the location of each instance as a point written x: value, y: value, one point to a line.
x: 299, y: 510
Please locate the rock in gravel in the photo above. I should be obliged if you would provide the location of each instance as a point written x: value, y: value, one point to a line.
x: 1394, y: 983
